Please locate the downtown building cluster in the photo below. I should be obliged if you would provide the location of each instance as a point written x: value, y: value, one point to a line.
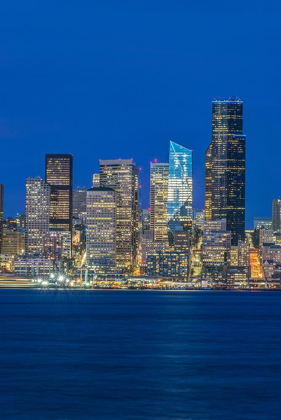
x: 102, y: 232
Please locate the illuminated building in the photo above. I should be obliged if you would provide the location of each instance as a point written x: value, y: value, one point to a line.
x: 101, y: 227
x: 276, y: 214
x: 266, y: 236
x: 182, y: 241
x: 96, y: 180
x: 148, y: 246
x: 159, y: 174
x: 168, y: 264
x: 79, y: 202
x: 1, y: 214
x: 199, y: 218
x: 262, y: 223
x: 225, y: 168
x: 59, y: 177
x: 122, y: 176
x: 52, y: 245
x: 216, y: 243
x: 240, y: 254
x: 37, y: 213
x: 34, y: 266
x: 143, y: 219
x: 12, y: 242
x: 180, y: 187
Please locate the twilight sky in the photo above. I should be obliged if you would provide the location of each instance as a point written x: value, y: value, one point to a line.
x: 108, y: 79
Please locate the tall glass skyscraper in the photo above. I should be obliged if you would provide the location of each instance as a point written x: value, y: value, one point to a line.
x: 225, y: 168
x: 180, y: 188
x: 59, y: 177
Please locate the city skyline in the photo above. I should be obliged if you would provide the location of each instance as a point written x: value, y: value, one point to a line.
x: 99, y: 95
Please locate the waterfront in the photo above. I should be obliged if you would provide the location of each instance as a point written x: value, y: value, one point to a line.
x: 139, y: 355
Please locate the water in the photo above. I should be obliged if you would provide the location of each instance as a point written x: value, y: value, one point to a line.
x: 139, y: 355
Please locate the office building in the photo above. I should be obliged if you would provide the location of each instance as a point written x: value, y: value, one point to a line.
x: 37, y: 213
x: 12, y: 243
x: 1, y: 214
x: 216, y: 243
x: 266, y: 236
x: 182, y: 241
x: 276, y: 214
x: 79, y: 202
x: 225, y: 168
x: 122, y: 176
x: 96, y: 180
x: 180, y: 188
x: 168, y: 264
x: 34, y: 266
x: 59, y: 177
x: 159, y: 174
x: 101, y: 228
x: 262, y: 223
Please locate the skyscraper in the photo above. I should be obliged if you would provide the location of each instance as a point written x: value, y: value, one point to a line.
x: 59, y: 177
x: 159, y: 174
x: 37, y: 213
x: 276, y: 214
x: 101, y: 227
x: 1, y: 214
x: 180, y: 187
x: 122, y: 176
x: 225, y: 168
x: 79, y: 201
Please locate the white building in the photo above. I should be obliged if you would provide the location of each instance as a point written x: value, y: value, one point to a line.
x: 37, y: 210
x: 101, y: 227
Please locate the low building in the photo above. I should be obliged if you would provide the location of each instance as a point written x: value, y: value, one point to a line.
x: 168, y: 264
x: 34, y: 266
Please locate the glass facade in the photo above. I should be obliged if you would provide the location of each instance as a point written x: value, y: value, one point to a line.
x: 225, y: 167
x: 59, y: 177
x: 180, y: 187
x: 159, y: 174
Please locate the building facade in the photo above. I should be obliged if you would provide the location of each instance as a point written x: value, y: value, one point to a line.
x: 1, y: 214
x: 37, y: 213
x: 159, y: 175
x: 180, y: 187
x: 101, y: 228
x: 59, y: 170
x: 276, y: 214
x: 225, y: 168
x: 79, y: 202
x: 122, y: 176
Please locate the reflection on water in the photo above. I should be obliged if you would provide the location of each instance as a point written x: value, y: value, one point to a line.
x: 140, y: 355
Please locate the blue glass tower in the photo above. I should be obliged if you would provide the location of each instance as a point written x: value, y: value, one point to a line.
x: 180, y: 188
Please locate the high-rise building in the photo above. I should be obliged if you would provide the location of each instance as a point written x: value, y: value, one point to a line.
x: 59, y: 177
x: 225, y: 167
x: 216, y: 243
x: 276, y: 214
x: 180, y: 187
x: 159, y: 175
x: 101, y: 228
x: 37, y: 213
x: 122, y: 176
x: 96, y: 180
x: 79, y: 201
x: 262, y: 223
x: 1, y: 214
x: 12, y: 242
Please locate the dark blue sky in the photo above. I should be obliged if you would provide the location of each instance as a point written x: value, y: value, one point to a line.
x: 109, y: 79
